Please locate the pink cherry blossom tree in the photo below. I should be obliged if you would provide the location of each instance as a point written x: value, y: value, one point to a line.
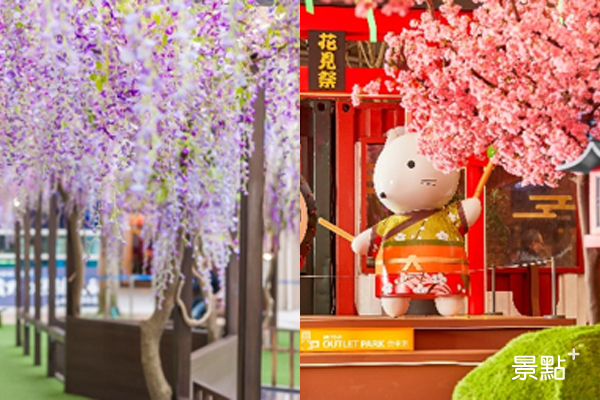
x: 521, y: 77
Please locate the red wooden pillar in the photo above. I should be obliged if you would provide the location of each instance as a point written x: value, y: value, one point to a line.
x: 345, y: 138
x: 368, y: 121
x: 476, y: 245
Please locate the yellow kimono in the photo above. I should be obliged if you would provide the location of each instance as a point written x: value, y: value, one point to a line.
x: 421, y: 254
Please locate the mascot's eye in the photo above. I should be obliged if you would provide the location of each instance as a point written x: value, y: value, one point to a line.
x: 411, y: 164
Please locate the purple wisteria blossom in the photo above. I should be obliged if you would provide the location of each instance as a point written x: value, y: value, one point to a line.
x: 135, y: 107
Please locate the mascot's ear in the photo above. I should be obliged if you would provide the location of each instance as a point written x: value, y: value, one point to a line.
x: 394, y: 133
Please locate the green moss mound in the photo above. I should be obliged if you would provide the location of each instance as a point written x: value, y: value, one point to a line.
x: 493, y: 379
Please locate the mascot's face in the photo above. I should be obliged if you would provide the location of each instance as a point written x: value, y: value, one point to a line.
x: 406, y: 181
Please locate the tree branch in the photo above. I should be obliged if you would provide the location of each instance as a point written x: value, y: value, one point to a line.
x: 515, y: 11
x: 63, y: 194
x: 430, y: 8
x: 588, y: 117
x: 549, y: 40
x: 381, y: 56
x: 486, y: 81
x: 402, y: 60
x: 371, y: 55
x: 528, y: 78
x: 362, y: 51
x: 257, y: 59
x: 209, y: 303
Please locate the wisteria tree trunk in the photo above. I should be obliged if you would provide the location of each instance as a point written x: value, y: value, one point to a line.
x: 151, y: 333
x: 107, y: 297
x: 268, y: 298
x: 77, y: 259
x: 591, y: 256
x: 103, y: 305
x: 212, y: 324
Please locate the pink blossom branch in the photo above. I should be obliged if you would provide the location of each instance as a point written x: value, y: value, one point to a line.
x: 430, y: 8
x: 490, y: 84
x: 515, y: 11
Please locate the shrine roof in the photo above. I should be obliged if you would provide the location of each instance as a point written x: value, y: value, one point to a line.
x: 587, y: 161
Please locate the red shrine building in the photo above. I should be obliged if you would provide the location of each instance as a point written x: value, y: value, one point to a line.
x: 339, y: 146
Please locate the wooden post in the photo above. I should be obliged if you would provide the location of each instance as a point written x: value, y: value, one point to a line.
x: 232, y: 289
x: 52, y: 231
x: 250, y: 293
x: 344, y: 135
x: 37, y: 355
x: 182, y: 333
x: 476, y: 247
x: 18, y: 278
x: 534, y: 275
x: 71, y: 312
x: 322, y: 183
x: 274, y: 287
x: 26, y: 299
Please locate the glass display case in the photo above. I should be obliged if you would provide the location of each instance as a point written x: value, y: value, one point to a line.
x: 537, y: 221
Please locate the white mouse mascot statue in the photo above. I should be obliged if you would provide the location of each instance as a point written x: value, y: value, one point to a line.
x: 420, y: 250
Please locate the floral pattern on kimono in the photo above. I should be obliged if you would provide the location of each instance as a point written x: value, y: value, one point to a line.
x: 421, y: 254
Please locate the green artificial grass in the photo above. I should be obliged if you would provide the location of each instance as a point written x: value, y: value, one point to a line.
x: 493, y: 379
x: 283, y: 362
x: 19, y: 379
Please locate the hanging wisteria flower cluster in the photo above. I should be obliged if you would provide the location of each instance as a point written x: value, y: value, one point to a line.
x: 49, y: 134
x: 147, y: 107
x: 521, y: 77
x: 278, y: 74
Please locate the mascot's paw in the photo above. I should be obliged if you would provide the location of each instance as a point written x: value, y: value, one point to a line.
x: 450, y: 305
x: 395, y: 306
x: 472, y: 209
x: 360, y: 245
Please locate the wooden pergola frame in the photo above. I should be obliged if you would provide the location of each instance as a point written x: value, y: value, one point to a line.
x: 244, y: 283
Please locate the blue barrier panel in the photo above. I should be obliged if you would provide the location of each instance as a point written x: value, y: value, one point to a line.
x: 8, y: 287
x: 135, y: 277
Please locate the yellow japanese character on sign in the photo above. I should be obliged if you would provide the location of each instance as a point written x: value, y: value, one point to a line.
x: 328, y: 41
x: 327, y: 79
x: 327, y: 61
x: 562, y: 203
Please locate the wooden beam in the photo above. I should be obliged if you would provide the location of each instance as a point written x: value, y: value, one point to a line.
x: 26, y: 299
x: 354, y: 76
x: 18, y: 278
x: 37, y: 354
x: 182, y: 343
x: 52, y: 231
x: 250, y: 293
